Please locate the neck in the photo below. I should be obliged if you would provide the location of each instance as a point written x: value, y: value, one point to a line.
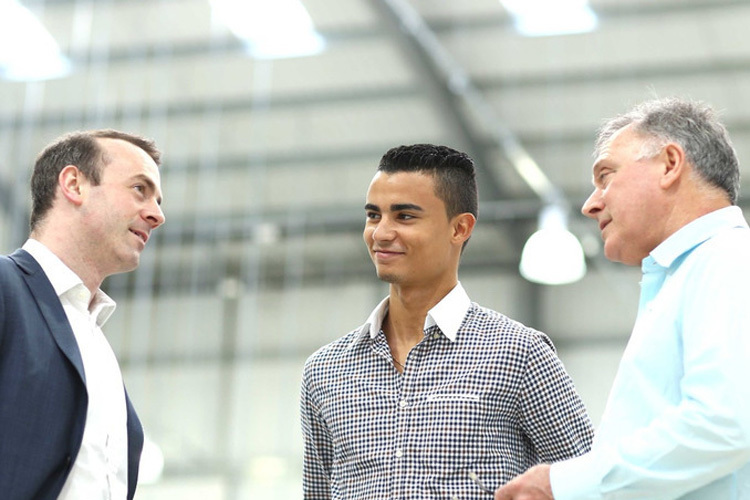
x: 701, y: 201
x: 73, y: 255
x: 407, y: 310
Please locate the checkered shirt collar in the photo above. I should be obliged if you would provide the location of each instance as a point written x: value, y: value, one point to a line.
x: 448, y: 314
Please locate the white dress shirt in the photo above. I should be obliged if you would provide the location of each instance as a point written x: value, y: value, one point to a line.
x: 100, y: 470
x: 677, y: 423
x: 448, y: 314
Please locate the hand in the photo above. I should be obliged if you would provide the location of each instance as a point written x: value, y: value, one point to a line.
x: 531, y: 485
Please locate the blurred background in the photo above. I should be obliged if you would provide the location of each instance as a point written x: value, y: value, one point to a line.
x: 273, y: 116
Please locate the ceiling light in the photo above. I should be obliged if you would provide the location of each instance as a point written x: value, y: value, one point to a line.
x: 551, y: 17
x: 552, y: 255
x: 27, y: 50
x: 270, y: 29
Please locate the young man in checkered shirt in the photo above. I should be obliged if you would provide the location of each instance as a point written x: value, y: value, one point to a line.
x: 434, y: 394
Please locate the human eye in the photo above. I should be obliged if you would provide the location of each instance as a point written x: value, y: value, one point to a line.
x: 604, y: 176
x: 371, y: 215
x: 142, y: 190
x: 405, y: 216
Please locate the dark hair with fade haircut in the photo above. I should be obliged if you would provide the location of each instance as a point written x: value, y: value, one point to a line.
x: 693, y: 125
x: 453, y: 171
x: 82, y: 149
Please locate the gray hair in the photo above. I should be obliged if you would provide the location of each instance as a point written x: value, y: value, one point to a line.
x: 691, y: 124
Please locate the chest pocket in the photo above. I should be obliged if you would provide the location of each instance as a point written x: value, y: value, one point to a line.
x: 453, y: 435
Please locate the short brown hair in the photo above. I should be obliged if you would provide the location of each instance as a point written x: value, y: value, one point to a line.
x: 82, y: 149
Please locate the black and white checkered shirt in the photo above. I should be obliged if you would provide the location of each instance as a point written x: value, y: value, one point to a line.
x: 480, y: 393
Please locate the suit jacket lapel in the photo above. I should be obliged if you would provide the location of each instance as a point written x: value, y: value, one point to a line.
x: 51, y: 308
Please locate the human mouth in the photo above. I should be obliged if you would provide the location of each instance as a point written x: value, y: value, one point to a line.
x: 143, y: 236
x: 385, y: 255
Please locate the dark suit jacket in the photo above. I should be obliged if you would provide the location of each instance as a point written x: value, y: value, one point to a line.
x: 43, y: 396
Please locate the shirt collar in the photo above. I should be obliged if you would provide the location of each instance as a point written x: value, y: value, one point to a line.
x: 65, y: 281
x: 693, y: 234
x: 448, y: 314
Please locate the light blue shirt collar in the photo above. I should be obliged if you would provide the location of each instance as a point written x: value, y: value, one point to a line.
x: 692, y: 235
x: 448, y: 314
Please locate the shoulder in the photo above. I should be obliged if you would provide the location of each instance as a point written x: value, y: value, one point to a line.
x: 735, y: 240
x: 18, y: 263
x: 500, y: 330
x: 10, y: 273
x: 333, y: 354
x: 725, y: 255
x: 7, y: 264
x: 714, y: 276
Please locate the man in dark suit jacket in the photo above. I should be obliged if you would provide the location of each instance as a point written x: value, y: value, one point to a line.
x: 67, y: 428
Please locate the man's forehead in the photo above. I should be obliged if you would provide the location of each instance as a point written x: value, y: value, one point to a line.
x: 391, y: 182
x: 115, y: 145
x: 421, y: 175
x: 401, y: 188
x: 626, y: 133
x: 126, y: 160
x: 601, y: 160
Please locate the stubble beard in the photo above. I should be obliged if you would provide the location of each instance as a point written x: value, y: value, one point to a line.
x: 390, y: 278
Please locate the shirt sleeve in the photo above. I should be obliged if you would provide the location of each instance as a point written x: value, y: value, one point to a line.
x: 553, y: 415
x: 318, y: 448
x: 707, y: 435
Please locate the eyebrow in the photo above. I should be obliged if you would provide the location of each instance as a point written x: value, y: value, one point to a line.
x: 396, y: 207
x: 594, y: 173
x: 597, y: 168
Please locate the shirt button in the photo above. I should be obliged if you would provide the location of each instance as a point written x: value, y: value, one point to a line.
x: 454, y: 497
x: 399, y: 453
x: 437, y: 336
x: 403, y: 403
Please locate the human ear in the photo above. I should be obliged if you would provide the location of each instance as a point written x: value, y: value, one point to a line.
x: 463, y: 225
x: 71, y: 182
x: 674, y: 164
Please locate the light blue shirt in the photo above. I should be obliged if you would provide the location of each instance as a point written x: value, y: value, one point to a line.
x: 677, y: 422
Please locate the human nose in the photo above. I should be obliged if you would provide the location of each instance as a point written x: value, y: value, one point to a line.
x: 383, y: 230
x: 154, y: 215
x: 593, y: 204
